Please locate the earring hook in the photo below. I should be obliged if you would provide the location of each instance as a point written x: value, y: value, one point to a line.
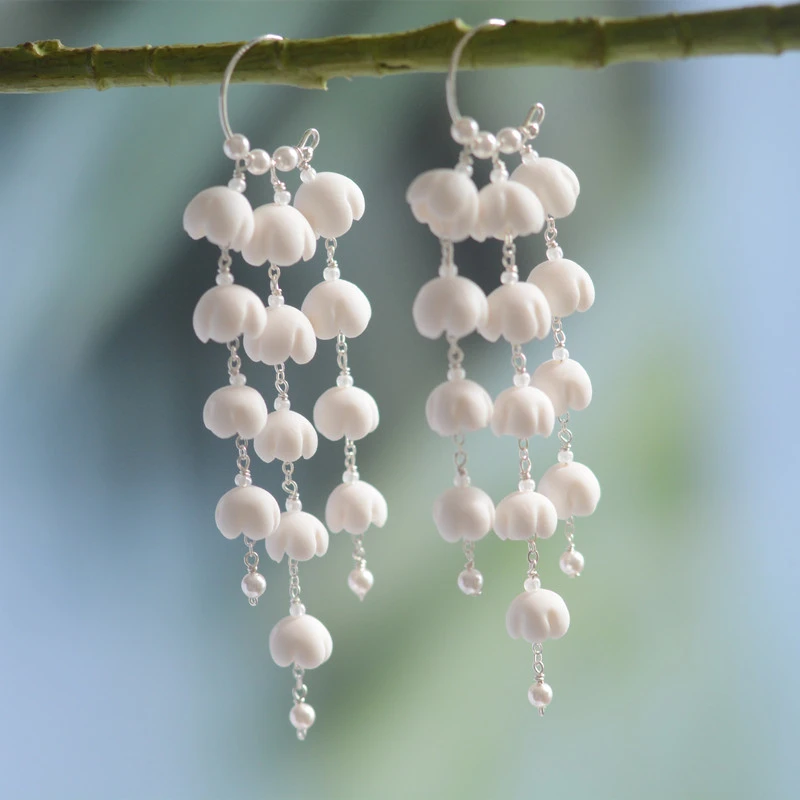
x: 226, y: 78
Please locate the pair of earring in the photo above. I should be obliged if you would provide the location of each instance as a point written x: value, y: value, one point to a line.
x: 530, y: 199
x: 281, y: 234
x: 527, y: 201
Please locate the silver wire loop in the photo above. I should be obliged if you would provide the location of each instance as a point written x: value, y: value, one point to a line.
x: 226, y: 78
x: 450, y: 84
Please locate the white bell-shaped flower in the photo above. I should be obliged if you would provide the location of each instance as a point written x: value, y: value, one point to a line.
x: 248, y: 510
x: 288, y: 334
x: 282, y: 236
x: 463, y: 513
x: 302, y: 640
x: 572, y: 488
x: 299, y: 535
x: 447, y: 201
x: 449, y: 305
x: 554, y: 183
x: 565, y: 382
x: 234, y: 410
x: 345, y: 412
x: 287, y: 436
x: 522, y: 515
x: 330, y: 202
x: 458, y: 406
x: 337, y: 305
x: 522, y: 412
x: 507, y: 209
x: 537, y: 616
x: 566, y: 285
x: 222, y: 215
x: 518, y: 312
x: 353, y: 507
x: 224, y: 313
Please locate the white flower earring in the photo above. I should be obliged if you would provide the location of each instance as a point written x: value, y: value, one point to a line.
x: 537, y: 192
x: 280, y: 234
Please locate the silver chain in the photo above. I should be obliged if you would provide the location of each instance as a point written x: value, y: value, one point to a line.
x: 460, y: 455
x: 294, y: 583
x: 359, y: 553
x: 533, y: 558
x: 525, y: 464
x: 330, y: 249
x: 350, y: 455
x: 569, y: 532
x: 225, y: 260
x: 448, y: 252
x: 274, y: 274
x: 234, y: 360
x: 281, y: 384
x: 518, y: 360
x: 550, y: 233
x: 510, y: 255
x: 559, y: 337
x: 341, y: 353
x: 455, y: 355
x: 538, y: 667
x: 242, y: 458
x: 289, y: 485
x: 251, y: 562
x: 565, y: 434
x: 299, y: 694
x: 469, y: 554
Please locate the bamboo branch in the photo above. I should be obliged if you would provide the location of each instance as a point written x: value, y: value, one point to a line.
x: 49, y: 66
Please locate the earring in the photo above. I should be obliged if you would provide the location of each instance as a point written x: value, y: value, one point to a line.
x: 448, y: 201
x: 280, y: 235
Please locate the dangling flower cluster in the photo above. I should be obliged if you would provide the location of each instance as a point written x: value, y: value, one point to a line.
x: 447, y: 200
x: 280, y: 234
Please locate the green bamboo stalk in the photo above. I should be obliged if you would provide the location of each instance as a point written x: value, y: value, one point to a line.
x: 49, y: 66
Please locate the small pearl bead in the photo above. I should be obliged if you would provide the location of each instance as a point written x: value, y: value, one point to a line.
x: 456, y: 374
x: 532, y: 584
x: 509, y: 276
x: 484, y: 145
x: 350, y: 476
x: 243, y: 480
x: 344, y: 380
x: 258, y: 162
x: 509, y: 140
x: 224, y: 278
x: 527, y: 485
x: 275, y: 300
x: 283, y: 198
x: 561, y: 353
x: 529, y: 156
x: 448, y: 271
x: 461, y: 480
x: 237, y: 184
x: 464, y: 169
x: 571, y: 563
x: 470, y: 581
x: 302, y: 716
x: 239, y: 379
x: 254, y: 584
x: 464, y: 130
x: 522, y: 379
x: 297, y: 609
x: 498, y: 175
x: 565, y: 456
x: 238, y: 146
x: 540, y: 695
x: 331, y: 273
x: 281, y: 403
x: 285, y: 158
x: 308, y: 174
x: 293, y: 504
x: 360, y: 582
x: 554, y: 253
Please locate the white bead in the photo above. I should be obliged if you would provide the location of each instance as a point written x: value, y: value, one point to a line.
x: 507, y: 208
x: 243, y: 480
x: 224, y: 278
x: 523, y: 514
x: 522, y: 379
x: 360, y: 582
x: 302, y: 640
x: 527, y: 485
x: 565, y: 382
x: 451, y: 305
x: 299, y: 535
x: 537, y: 616
x: 470, y: 581
x: 346, y: 412
x: 350, y: 476
x: 529, y: 156
x: 237, y: 184
x: 572, y: 488
x: 566, y: 285
x: 285, y: 158
x: 463, y: 168
x: 302, y: 716
x: 237, y: 379
x: 275, y: 300
x: 554, y: 183
x: 571, y: 563
x: 498, y: 174
x: 463, y: 513
x: 456, y: 374
x: 281, y: 402
x: 532, y: 584
x: 560, y: 353
x: 461, y: 479
x: 517, y: 314
x: 254, y: 584
x: 353, y: 507
x: 297, y: 609
x: 281, y: 235
x: 293, y: 504
x: 458, y: 406
x: 330, y: 202
x: 258, y: 162
x: 283, y: 198
x: 540, y: 695
x: 509, y: 140
x: 554, y: 253
x: 308, y: 174
x: 222, y: 216
x: 344, y: 380
x: 464, y: 130
x: 509, y: 276
x: 484, y: 145
x: 238, y: 146
x: 565, y: 456
x: 331, y: 273
x: 446, y: 200
x: 448, y: 271
x: 233, y: 410
x: 337, y: 306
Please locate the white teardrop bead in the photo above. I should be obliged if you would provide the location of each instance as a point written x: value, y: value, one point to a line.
x: 566, y: 383
x: 234, y: 410
x: 299, y: 535
x: 248, y: 510
x: 354, y: 506
x: 463, y: 513
x: 450, y: 305
x: 505, y: 209
x: 537, y: 616
x: 572, y: 488
x: 346, y: 412
x: 302, y: 640
x: 458, y: 406
x: 523, y: 412
x: 555, y: 184
x: 287, y: 436
x: 517, y: 312
x: 447, y: 201
x: 360, y: 582
x: 287, y: 335
x: 330, y: 203
x: 224, y: 313
x: 333, y: 306
x: 221, y: 215
x: 281, y: 236
x: 522, y: 515
x: 566, y: 285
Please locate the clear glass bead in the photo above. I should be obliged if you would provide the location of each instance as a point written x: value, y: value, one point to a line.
x: 461, y: 480
x: 296, y: 608
x: 561, y: 353
x: 522, y: 378
x: 456, y: 374
x: 275, y: 300
x: 448, y: 270
x: 350, y: 476
x: 283, y: 197
x: 254, y: 584
x: 464, y: 168
x: 470, y: 581
x: 331, y: 273
x: 498, y: 175
x: 527, y: 485
x: 238, y: 146
x: 224, y: 278
x: 243, y: 480
x: 571, y: 563
x: 509, y: 276
x: 344, y: 381
x: 293, y: 504
x: 554, y: 253
x: 464, y: 130
x: 308, y: 174
x: 237, y: 379
x: 529, y: 156
x: 281, y: 403
x: 565, y: 456
x: 237, y: 184
x: 532, y: 584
